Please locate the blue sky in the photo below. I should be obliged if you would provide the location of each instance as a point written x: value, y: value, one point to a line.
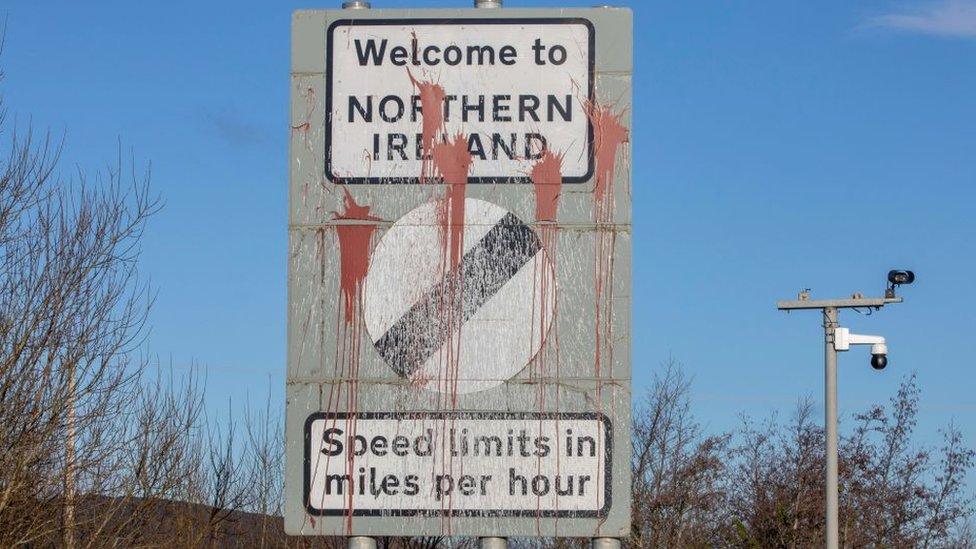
x: 778, y: 145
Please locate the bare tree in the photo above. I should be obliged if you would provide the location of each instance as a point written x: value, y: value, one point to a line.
x: 894, y: 493
x: 677, y: 470
x: 775, y: 483
x: 762, y: 485
x: 89, y: 445
x: 73, y: 310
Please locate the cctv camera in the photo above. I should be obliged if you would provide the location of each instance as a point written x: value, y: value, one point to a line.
x: 843, y: 339
x: 897, y: 278
x: 879, y: 356
x: 901, y: 277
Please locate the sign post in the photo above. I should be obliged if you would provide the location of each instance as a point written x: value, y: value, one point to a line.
x: 459, y: 274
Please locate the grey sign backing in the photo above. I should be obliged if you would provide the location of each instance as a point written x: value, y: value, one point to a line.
x: 459, y: 273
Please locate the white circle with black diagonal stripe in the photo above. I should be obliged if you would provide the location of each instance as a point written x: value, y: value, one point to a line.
x: 466, y: 327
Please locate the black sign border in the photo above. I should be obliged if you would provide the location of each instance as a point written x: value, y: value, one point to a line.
x: 336, y: 179
x: 464, y: 513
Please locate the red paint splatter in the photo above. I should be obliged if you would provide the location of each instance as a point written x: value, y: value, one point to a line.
x: 452, y: 160
x: 449, y: 160
x: 547, y: 180
x: 608, y: 135
x: 355, y: 248
x: 432, y: 120
x: 354, y: 251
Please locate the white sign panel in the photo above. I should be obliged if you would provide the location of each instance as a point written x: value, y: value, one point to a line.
x: 459, y: 283
x: 470, y: 464
x: 514, y: 87
x: 466, y: 329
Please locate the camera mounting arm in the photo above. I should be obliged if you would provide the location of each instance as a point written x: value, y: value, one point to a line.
x: 843, y: 339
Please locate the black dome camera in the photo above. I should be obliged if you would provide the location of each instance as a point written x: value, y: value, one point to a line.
x: 879, y: 356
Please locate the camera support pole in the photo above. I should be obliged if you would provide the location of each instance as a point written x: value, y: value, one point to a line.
x: 830, y: 308
x: 832, y: 536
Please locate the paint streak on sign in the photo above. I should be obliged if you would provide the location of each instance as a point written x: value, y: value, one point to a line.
x: 453, y: 161
x: 547, y: 179
x: 355, y: 247
x: 354, y: 250
x: 608, y: 135
x: 431, y: 107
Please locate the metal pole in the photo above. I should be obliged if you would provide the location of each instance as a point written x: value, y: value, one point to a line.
x: 830, y: 425
x: 359, y: 542
x: 494, y: 543
x: 362, y: 542
x: 606, y: 543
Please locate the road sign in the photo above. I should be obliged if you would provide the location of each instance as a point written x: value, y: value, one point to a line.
x: 459, y: 273
x: 491, y: 308
x: 527, y: 464
x: 512, y: 85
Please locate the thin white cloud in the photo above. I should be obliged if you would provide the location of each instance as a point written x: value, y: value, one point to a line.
x: 951, y: 18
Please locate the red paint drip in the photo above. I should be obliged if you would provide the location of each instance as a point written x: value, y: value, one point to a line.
x: 432, y: 115
x: 452, y: 160
x: 547, y: 180
x: 608, y: 135
x: 355, y: 243
x: 354, y: 250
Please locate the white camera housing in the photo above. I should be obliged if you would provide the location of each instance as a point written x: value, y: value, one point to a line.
x: 843, y: 339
